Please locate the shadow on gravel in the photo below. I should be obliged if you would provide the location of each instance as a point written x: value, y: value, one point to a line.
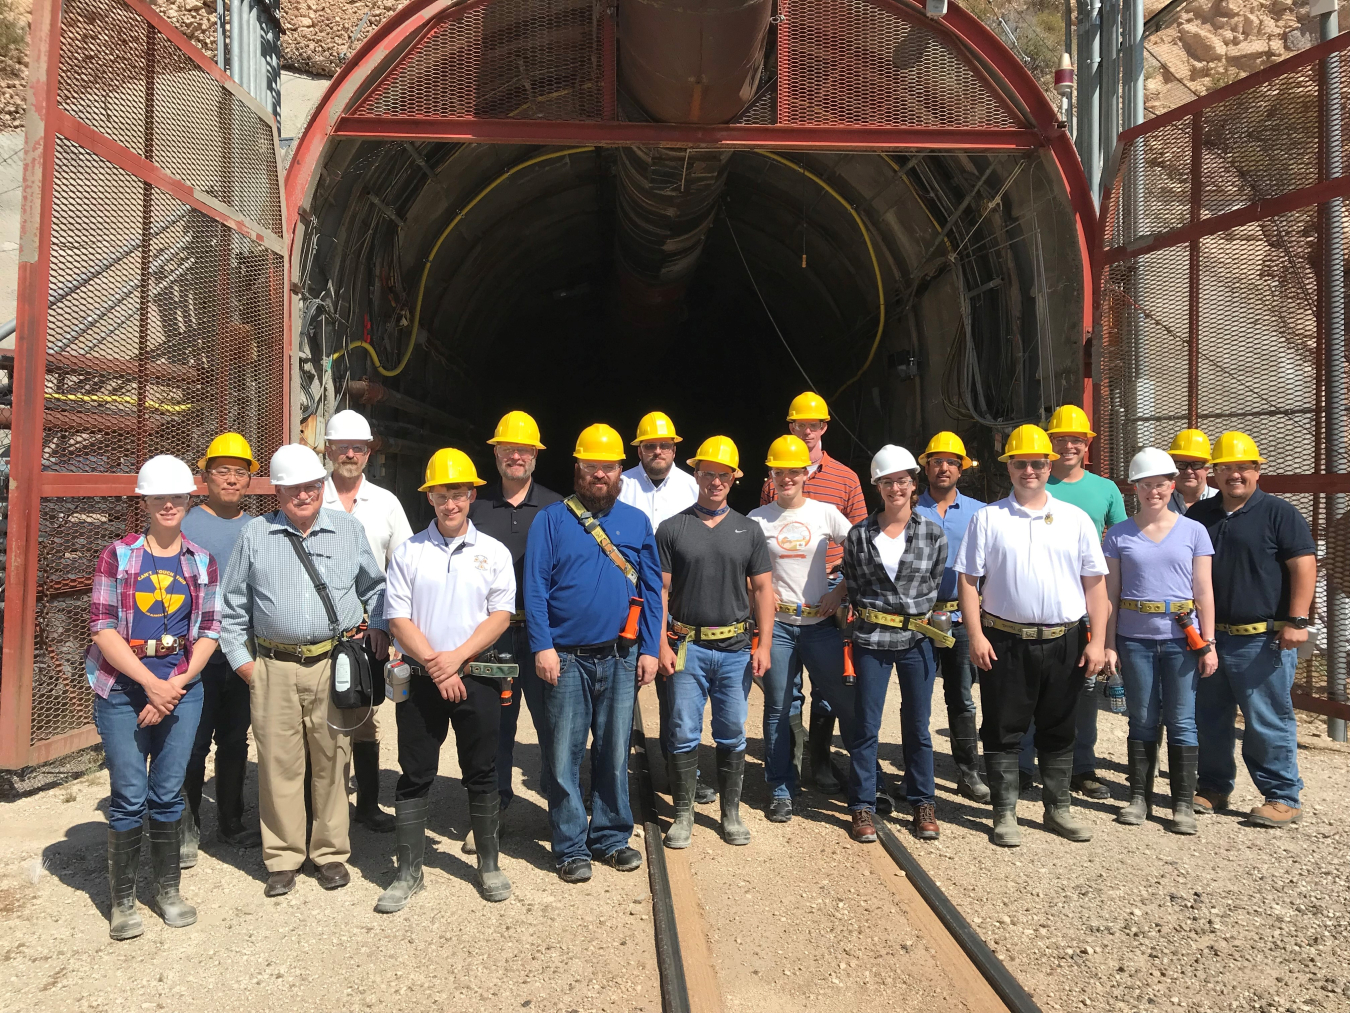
x: 81, y: 862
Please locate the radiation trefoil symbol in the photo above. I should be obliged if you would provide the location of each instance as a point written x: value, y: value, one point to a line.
x: 159, y: 602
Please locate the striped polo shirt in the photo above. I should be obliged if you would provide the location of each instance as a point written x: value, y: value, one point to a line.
x: 837, y: 484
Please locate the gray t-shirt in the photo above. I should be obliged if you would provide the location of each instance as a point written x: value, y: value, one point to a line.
x: 214, y: 534
x: 708, y: 569
x: 1155, y: 571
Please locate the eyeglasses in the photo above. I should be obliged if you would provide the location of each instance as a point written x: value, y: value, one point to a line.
x: 807, y: 427
x: 454, y: 495
x: 1239, y: 468
x: 950, y: 462
x: 895, y: 483
x: 359, y: 449
x: 1070, y: 441
x: 788, y: 472
x: 600, y: 467
x: 178, y: 499
x: 229, y: 472
x: 663, y: 447
x: 296, y: 491
x: 525, y: 452
x: 725, y: 477
x: 1029, y: 465
x: 1191, y: 465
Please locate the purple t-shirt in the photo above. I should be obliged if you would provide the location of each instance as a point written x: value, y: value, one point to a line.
x: 1155, y: 571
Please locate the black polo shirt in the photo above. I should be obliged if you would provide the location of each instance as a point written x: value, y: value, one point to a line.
x: 493, y: 515
x: 1251, y: 546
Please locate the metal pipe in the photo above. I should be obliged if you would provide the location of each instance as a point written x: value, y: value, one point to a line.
x: 368, y: 392
x: 221, y: 56
x: 1132, y: 208
x: 1109, y: 86
x: 1089, y: 83
x: 236, y: 39
x: 1338, y: 598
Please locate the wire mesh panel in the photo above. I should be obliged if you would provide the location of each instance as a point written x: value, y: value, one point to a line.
x: 151, y: 318
x: 1222, y: 304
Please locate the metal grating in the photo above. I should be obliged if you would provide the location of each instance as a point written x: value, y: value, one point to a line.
x: 512, y: 58
x: 853, y: 62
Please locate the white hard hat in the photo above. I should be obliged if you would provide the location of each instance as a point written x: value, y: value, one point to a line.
x: 347, y: 425
x: 164, y: 475
x: 1150, y: 462
x: 890, y: 459
x: 295, y: 464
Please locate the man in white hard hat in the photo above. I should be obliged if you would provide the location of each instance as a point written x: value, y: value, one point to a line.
x: 347, y: 441
x: 276, y: 634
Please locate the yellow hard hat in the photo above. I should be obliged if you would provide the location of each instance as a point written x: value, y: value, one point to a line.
x: 599, y: 443
x: 517, y: 427
x: 718, y: 450
x: 1070, y: 418
x: 1234, y: 446
x: 788, y: 452
x: 229, y: 445
x: 449, y: 466
x: 1191, y: 444
x: 947, y: 443
x: 656, y: 426
x: 808, y: 406
x: 1029, y: 440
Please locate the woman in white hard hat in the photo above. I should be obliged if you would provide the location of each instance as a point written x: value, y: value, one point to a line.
x: 893, y: 564
x: 1161, y: 631
x: 154, y: 618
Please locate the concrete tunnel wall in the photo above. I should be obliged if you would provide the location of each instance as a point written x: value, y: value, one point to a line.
x: 519, y: 308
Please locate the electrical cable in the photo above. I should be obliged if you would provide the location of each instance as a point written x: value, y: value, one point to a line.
x: 426, y: 268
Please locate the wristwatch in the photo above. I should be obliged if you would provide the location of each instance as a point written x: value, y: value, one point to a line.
x: 1298, y: 622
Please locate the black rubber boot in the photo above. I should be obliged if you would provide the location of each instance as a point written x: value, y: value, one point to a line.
x: 1056, y: 770
x: 1141, y: 758
x: 966, y: 753
x: 191, y: 836
x: 164, y: 857
x: 366, y: 767
x: 1183, y: 763
x: 683, y: 768
x: 410, y: 829
x: 798, y: 744
x: 730, y: 777
x: 704, y: 794
x: 124, y: 858
x: 819, y: 740
x: 484, y: 813
x: 1004, y: 787
x: 231, y: 830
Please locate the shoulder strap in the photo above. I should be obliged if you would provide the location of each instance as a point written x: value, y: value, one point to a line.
x: 297, y: 543
x: 594, y: 529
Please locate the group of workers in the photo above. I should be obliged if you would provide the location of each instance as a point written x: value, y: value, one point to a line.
x: 647, y: 575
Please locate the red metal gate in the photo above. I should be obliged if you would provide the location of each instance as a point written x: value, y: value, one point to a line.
x: 151, y: 317
x: 1213, y: 303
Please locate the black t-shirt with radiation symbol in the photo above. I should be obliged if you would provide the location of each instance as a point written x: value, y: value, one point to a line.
x: 163, y: 605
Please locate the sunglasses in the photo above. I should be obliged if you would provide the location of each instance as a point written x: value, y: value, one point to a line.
x: 665, y: 447
x: 1029, y: 465
x: 1191, y: 465
x: 359, y: 449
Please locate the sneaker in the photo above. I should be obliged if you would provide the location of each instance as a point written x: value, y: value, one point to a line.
x: 575, y: 870
x: 864, y: 831
x: 625, y: 859
x: 780, y: 810
x: 1274, y: 815
x: 1208, y: 802
x: 925, y: 826
x: 1088, y: 786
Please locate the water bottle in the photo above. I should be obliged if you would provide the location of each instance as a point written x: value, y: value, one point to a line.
x: 1115, y: 692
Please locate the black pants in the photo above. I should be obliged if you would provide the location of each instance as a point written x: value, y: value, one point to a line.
x: 424, y: 720
x: 225, y: 715
x: 1032, y: 679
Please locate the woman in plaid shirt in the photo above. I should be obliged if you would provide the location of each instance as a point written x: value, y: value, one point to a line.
x: 154, y: 619
x: 893, y: 563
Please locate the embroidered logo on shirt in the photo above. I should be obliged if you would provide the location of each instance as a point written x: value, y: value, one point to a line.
x: 1049, y: 518
x: 480, y: 562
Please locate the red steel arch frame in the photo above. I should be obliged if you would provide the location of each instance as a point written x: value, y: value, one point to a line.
x: 959, y: 31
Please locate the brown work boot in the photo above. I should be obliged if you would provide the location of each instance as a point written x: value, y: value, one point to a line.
x: 864, y: 830
x: 1275, y: 815
x: 925, y: 826
x: 1208, y: 802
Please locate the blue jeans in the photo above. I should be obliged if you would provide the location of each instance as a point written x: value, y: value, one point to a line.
x: 1160, y: 684
x: 821, y: 648
x: 594, y: 697
x: 722, y: 676
x: 1084, y: 734
x: 958, y: 673
x: 820, y: 700
x: 916, y: 669
x: 1255, y: 675
x: 530, y: 686
x: 167, y: 746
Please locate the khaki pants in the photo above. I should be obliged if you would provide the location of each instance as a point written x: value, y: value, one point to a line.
x: 367, y: 730
x: 291, y: 710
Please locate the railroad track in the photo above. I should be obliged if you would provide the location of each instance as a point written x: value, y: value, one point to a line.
x: 689, y: 982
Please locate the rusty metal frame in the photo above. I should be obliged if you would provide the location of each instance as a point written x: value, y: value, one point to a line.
x: 29, y: 484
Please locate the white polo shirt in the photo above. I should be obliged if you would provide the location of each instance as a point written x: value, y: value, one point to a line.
x: 678, y: 492
x: 1033, y: 561
x: 379, y: 512
x: 448, y: 587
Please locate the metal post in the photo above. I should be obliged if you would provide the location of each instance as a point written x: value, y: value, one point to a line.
x: 1338, y: 601
x: 1066, y: 63
x: 1108, y: 89
x: 220, y: 34
x: 1132, y: 211
x: 1089, y: 112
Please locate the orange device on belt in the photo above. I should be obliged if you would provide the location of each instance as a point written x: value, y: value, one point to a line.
x: 850, y: 676
x: 1186, y: 620
x: 630, y: 626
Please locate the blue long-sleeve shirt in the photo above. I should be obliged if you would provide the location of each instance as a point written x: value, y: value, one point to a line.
x: 575, y: 595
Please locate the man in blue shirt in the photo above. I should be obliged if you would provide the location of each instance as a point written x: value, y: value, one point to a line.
x: 589, y: 560
x: 943, y: 461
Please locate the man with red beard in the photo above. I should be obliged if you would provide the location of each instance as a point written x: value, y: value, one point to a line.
x: 590, y: 564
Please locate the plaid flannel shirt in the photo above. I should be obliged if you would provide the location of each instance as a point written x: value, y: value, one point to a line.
x: 914, y: 589
x: 113, y: 601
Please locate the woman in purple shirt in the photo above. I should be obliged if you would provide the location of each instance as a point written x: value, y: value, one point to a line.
x: 1159, y: 572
